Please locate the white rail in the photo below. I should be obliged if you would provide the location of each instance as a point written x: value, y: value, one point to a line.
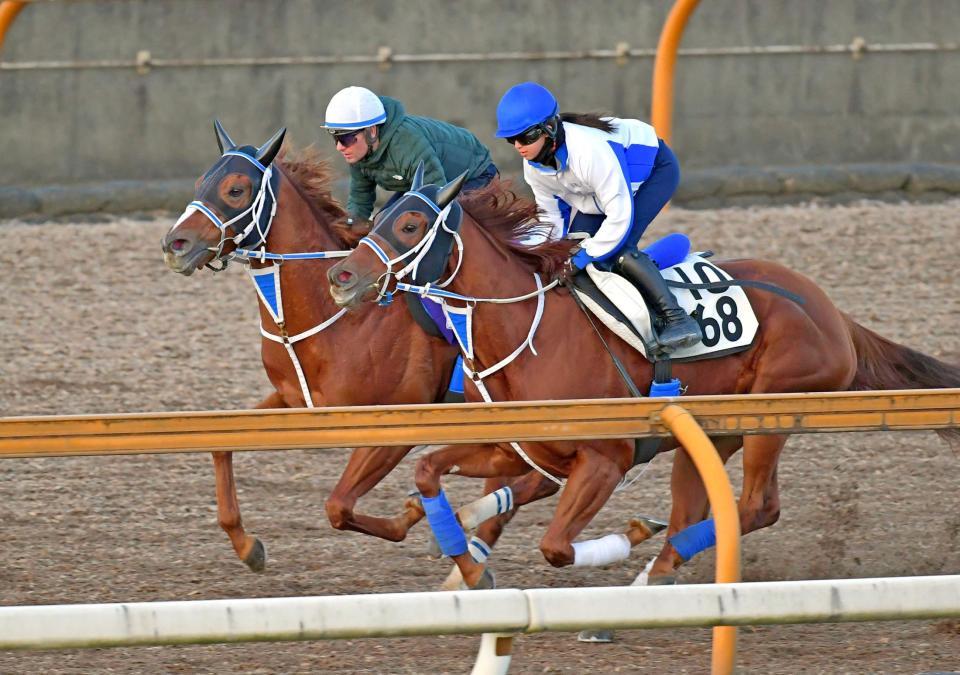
x: 497, y: 611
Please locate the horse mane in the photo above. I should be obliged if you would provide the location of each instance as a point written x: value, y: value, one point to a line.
x: 310, y: 174
x: 507, y: 218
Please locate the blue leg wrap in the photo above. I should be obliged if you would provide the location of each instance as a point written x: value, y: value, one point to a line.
x: 444, y: 524
x: 671, y: 388
x: 694, y: 539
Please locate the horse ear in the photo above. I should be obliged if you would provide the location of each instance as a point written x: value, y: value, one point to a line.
x: 450, y: 191
x: 223, y: 138
x: 417, y: 181
x: 269, y: 150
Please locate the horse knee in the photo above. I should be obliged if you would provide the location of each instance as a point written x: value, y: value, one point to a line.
x: 557, y: 554
x: 426, y: 474
x: 338, y: 513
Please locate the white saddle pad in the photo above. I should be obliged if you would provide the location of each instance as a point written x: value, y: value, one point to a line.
x: 726, y: 318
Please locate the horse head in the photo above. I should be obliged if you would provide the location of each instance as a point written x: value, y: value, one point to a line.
x: 233, y: 204
x: 414, y: 237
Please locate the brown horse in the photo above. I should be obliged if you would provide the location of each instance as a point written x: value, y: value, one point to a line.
x: 805, y: 347
x: 356, y: 360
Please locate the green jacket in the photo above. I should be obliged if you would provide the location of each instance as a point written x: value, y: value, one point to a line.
x: 446, y: 151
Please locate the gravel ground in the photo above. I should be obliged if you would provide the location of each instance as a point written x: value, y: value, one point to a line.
x: 94, y: 323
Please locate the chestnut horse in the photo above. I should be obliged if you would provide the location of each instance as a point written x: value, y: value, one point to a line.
x: 805, y: 347
x: 355, y: 360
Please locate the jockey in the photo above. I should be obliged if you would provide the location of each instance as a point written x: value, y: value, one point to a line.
x: 383, y: 146
x: 613, y: 176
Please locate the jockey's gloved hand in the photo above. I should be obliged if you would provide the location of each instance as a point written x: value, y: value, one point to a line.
x: 359, y: 225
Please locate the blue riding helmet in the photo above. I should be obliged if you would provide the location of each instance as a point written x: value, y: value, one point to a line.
x: 523, y: 106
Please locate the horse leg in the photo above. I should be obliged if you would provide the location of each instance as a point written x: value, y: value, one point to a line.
x: 478, y: 461
x: 527, y: 489
x: 365, y: 468
x: 759, y: 505
x: 690, y: 506
x: 590, y: 483
x: 249, y: 549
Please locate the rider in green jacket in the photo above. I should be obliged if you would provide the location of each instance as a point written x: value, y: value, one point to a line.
x: 384, y: 145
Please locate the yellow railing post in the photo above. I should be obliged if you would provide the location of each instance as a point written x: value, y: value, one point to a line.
x: 662, y: 105
x: 8, y: 12
x: 724, y: 506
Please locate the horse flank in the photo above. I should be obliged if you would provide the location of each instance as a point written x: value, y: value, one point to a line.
x: 884, y: 364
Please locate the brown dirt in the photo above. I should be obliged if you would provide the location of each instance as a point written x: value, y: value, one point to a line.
x: 94, y: 323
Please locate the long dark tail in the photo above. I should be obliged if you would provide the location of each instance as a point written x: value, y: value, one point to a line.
x: 883, y: 364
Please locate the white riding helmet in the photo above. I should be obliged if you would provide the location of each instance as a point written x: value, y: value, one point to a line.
x: 354, y: 108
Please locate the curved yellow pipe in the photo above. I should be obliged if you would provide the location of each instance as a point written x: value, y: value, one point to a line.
x: 724, y: 506
x: 8, y: 12
x: 662, y: 105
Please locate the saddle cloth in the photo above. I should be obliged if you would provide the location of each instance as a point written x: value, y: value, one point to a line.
x: 726, y: 318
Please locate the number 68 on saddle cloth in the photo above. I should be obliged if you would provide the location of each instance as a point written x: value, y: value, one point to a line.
x: 725, y: 315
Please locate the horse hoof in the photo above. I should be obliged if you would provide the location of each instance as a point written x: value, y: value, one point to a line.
x: 454, y: 580
x: 665, y: 580
x: 652, y: 525
x: 256, y: 559
x: 601, y: 636
x: 487, y: 582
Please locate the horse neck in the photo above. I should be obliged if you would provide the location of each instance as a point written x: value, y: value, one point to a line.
x: 298, y: 227
x: 491, y: 271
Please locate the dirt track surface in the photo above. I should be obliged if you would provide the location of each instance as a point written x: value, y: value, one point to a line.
x: 94, y: 323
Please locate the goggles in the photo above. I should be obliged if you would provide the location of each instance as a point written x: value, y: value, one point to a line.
x: 531, y: 135
x: 345, y: 138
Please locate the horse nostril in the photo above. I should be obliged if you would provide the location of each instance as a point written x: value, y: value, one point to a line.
x: 178, y: 245
x: 344, y: 276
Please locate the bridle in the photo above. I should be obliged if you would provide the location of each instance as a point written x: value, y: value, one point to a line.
x: 423, y: 204
x: 259, y: 214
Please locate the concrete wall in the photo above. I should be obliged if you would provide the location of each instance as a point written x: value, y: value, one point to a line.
x: 63, y: 126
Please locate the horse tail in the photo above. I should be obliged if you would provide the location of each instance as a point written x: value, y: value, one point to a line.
x: 884, y: 364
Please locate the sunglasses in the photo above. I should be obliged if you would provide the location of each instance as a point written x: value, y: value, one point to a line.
x: 531, y: 135
x: 346, y: 139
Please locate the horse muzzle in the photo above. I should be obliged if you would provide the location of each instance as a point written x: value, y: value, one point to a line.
x: 347, y: 288
x: 184, y: 256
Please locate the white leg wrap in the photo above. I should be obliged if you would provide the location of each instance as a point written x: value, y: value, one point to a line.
x: 479, y: 549
x: 644, y: 576
x: 603, y: 551
x: 488, y: 506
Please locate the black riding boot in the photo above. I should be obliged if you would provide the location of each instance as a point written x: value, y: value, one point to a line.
x: 679, y: 328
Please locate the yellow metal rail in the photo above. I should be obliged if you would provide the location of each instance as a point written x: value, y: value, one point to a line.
x: 471, y: 423
x: 661, y: 115
x: 724, y: 508
x: 8, y: 12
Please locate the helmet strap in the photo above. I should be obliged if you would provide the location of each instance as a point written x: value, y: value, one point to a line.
x: 370, y: 138
x: 555, y: 138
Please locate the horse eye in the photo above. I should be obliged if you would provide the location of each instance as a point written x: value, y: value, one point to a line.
x: 410, y: 228
x: 236, y: 192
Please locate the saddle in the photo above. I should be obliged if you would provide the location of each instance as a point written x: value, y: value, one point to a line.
x: 724, y: 313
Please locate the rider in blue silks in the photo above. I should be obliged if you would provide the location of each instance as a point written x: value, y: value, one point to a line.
x: 614, y: 175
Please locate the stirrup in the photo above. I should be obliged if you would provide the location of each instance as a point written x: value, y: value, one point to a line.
x: 687, y: 334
